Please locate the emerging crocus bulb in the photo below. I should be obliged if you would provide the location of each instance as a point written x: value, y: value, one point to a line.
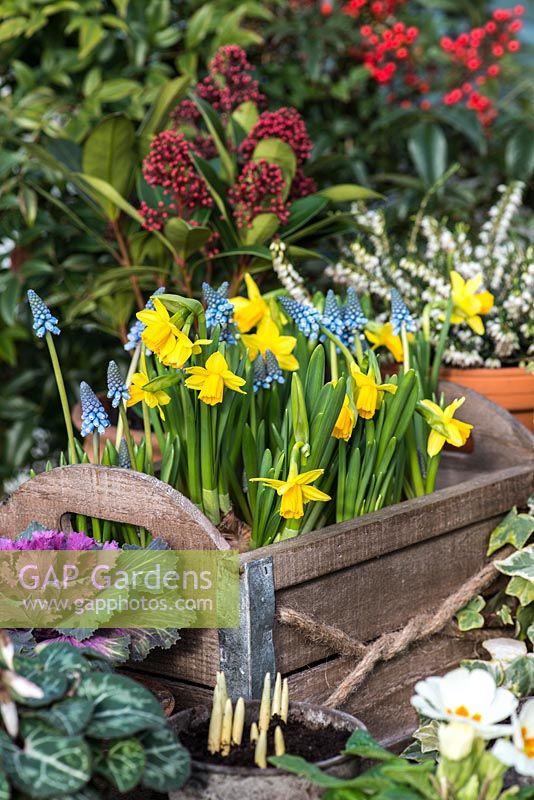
x: 260, y: 753
x: 226, y: 728
x: 254, y: 733
x: 284, y: 703
x: 239, y: 722
x: 265, y: 706
x: 279, y: 743
x: 276, y: 704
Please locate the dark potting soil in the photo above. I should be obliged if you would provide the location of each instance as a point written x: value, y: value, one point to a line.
x: 313, y: 745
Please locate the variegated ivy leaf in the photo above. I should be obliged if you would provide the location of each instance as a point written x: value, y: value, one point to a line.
x: 49, y: 764
x: 520, y: 564
x: 123, y: 764
x: 122, y: 707
x: 515, y: 529
x: 519, y: 676
x: 5, y: 792
x: 469, y: 617
x: 494, y: 669
x: 530, y: 633
x: 167, y: 763
x: 69, y: 716
x: 505, y: 615
x: 522, y: 589
x: 427, y: 736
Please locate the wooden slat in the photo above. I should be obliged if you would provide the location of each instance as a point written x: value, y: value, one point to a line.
x: 382, y: 594
x: 195, y: 657
x: 383, y: 701
x: 113, y: 494
x: 305, y: 558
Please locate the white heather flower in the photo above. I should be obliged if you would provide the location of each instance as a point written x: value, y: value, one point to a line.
x: 519, y: 753
x: 288, y: 276
x: 456, y: 740
x: 471, y: 697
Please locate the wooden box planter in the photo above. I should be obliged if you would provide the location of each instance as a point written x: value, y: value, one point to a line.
x: 366, y: 576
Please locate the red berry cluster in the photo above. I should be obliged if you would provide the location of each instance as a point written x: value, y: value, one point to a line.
x: 377, y: 10
x: 229, y: 83
x: 301, y: 186
x: 387, y: 51
x: 169, y: 165
x: 259, y: 190
x: 154, y: 219
x: 477, y: 53
x: 285, y: 124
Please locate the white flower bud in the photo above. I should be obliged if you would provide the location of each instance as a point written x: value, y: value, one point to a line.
x: 455, y: 740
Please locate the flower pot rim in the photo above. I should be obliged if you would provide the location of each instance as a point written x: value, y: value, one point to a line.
x: 244, y: 772
x: 445, y: 371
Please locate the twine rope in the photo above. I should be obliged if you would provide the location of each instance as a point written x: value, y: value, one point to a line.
x: 388, y: 645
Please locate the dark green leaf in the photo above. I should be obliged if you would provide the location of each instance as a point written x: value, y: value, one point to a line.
x: 167, y: 762
x: 428, y: 148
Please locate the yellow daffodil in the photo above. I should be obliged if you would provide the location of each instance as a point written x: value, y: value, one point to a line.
x: 268, y: 337
x: 160, y: 333
x: 345, y: 422
x: 211, y: 380
x: 467, y: 304
x: 369, y: 393
x: 182, y: 351
x: 152, y: 399
x: 250, y: 311
x: 444, y: 427
x: 296, y: 491
x: 382, y: 336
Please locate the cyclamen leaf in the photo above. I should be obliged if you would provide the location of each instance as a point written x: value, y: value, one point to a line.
x: 50, y: 764
x: 123, y: 764
x: 515, y: 529
x: 70, y: 716
x: 168, y: 764
x: 122, y: 707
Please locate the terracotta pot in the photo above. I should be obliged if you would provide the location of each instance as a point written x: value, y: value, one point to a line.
x: 110, y: 433
x: 509, y: 387
x: 216, y: 782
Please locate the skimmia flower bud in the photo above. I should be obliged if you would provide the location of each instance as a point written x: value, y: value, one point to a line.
x: 400, y: 315
x: 306, y: 318
x: 117, y: 389
x: 219, y: 310
x: 43, y: 319
x: 94, y: 417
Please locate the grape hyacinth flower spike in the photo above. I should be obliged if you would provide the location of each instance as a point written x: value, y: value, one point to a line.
x: 117, y: 389
x: 94, y: 418
x: 118, y: 393
x: 45, y: 326
x: 43, y: 319
x: 353, y: 316
x: 400, y: 315
x: 219, y: 310
x: 332, y: 318
x: 306, y: 318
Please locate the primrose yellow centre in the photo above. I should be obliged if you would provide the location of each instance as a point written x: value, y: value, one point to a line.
x: 211, y: 380
x: 296, y: 491
x: 462, y: 711
x: 268, y: 337
x: 250, y: 311
x: 369, y: 393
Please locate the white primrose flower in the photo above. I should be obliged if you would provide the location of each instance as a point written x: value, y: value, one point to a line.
x: 456, y: 740
x: 467, y: 696
x: 519, y: 753
x: 504, y: 651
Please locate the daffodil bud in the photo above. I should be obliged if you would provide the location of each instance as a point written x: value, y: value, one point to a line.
x: 456, y: 740
x: 301, y: 428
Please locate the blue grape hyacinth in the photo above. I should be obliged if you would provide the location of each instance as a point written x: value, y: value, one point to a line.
x: 219, y: 310
x: 124, y: 456
x: 137, y: 327
x: 400, y: 314
x: 94, y: 416
x: 306, y: 318
x: 353, y: 316
x: 332, y: 318
x: 43, y: 320
x: 266, y: 371
x: 117, y: 389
